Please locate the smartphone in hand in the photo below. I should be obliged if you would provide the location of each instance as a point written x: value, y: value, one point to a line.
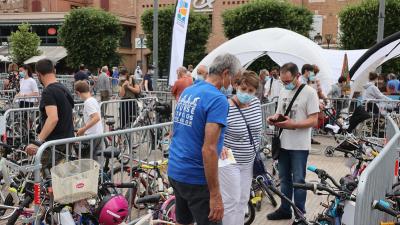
x: 280, y: 118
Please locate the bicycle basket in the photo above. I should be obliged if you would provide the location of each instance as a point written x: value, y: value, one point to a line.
x: 75, y: 180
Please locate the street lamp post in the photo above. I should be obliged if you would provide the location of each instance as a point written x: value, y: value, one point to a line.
x: 328, y: 38
x: 141, y: 36
x: 155, y: 43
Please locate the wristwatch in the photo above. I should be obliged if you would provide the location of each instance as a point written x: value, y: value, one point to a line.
x: 38, y: 142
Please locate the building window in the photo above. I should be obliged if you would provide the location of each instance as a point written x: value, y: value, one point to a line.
x: 126, y: 40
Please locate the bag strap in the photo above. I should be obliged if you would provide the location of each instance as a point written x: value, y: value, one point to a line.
x: 270, y: 86
x: 247, y: 125
x: 290, y: 105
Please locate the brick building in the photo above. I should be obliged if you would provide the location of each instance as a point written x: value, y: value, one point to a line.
x: 46, y: 14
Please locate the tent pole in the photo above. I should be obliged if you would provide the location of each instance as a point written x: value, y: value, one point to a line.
x: 381, y: 26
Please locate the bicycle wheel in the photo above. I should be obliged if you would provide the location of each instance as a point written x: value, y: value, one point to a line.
x: 14, y: 217
x: 9, y: 201
x: 131, y: 194
x: 267, y: 192
x: 168, y: 213
x: 122, y: 144
x: 250, y: 214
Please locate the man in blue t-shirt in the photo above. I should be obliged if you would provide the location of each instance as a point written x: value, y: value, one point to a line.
x: 199, y: 124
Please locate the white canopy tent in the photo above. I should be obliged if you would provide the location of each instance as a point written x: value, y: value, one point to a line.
x: 336, y: 57
x: 380, y: 53
x: 284, y: 46
x: 54, y: 53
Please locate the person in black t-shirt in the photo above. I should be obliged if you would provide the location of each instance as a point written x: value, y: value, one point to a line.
x: 81, y: 74
x: 55, y: 109
x: 147, y: 79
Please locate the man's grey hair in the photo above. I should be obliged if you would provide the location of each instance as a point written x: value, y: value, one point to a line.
x: 225, y: 62
x: 104, y: 69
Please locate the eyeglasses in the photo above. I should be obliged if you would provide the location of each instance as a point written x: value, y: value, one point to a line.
x: 288, y: 82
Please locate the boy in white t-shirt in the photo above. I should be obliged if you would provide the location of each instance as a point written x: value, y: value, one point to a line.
x: 91, y: 117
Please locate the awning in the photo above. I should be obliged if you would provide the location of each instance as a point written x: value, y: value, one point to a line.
x: 54, y: 53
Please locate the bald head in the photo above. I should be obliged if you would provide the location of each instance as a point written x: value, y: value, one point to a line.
x: 181, y: 71
x: 202, y: 70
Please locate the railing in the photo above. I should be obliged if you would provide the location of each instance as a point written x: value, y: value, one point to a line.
x: 138, y: 145
x: 19, y: 126
x: 377, y: 179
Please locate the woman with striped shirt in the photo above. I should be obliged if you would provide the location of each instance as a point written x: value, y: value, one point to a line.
x: 235, y: 179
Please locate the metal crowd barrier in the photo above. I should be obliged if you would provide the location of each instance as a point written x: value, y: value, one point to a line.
x: 18, y: 126
x: 122, y: 113
x: 267, y: 110
x: 162, y: 84
x: 377, y: 179
x: 140, y: 145
x: 162, y: 96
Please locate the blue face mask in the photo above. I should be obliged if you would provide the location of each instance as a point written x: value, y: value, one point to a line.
x: 267, y: 78
x: 200, y: 77
x: 312, y: 76
x: 290, y: 86
x: 227, y: 91
x: 21, y: 74
x: 243, y: 97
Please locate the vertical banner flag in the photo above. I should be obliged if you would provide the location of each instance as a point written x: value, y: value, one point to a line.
x: 179, y: 38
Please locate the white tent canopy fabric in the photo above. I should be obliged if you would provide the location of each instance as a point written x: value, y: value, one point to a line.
x: 284, y: 46
x: 336, y: 57
x: 54, y: 53
x: 380, y: 53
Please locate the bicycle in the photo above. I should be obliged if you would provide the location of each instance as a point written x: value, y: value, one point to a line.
x: 333, y: 212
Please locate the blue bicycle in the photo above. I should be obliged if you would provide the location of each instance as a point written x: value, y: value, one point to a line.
x: 342, y: 192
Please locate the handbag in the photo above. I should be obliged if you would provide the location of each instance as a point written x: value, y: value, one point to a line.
x: 258, y: 165
x: 276, y: 139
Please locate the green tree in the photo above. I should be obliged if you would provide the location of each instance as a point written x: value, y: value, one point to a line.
x: 261, y: 14
x: 91, y: 36
x: 23, y: 44
x: 359, y: 26
x: 196, y: 38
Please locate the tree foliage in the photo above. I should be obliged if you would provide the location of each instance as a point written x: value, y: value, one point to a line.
x: 196, y: 38
x: 23, y: 44
x: 91, y: 36
x: 261, y: 14
x: 359, y: 26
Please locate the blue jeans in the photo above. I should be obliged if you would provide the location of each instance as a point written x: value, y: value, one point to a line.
x: 292, y: 169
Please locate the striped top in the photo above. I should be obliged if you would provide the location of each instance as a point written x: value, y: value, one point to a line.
x: 236, y: 135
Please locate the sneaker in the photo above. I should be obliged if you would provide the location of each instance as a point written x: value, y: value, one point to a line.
x: 279, y: 215
x: 314, y: 142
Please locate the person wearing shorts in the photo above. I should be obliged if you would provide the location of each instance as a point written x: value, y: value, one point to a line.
x: 199, y: 124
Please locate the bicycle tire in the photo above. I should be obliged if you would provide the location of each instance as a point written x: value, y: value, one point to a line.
x: 270, y: 195
x: 8, y: 201
x: 251, y: 214
x: 169, y: 213
x: 14, y: 217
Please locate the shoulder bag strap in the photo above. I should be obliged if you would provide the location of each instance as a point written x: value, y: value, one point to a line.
x: 270, y: 86
x: 291, y: 104
x: 247, y: 125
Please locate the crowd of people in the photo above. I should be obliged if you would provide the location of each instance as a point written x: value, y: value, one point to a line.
x: 217, y: 114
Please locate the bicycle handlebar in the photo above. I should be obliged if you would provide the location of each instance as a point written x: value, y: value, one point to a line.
x: 322, y: 174
x: 121, y: 185
x: 318, y: 187
x: 384, y: 206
